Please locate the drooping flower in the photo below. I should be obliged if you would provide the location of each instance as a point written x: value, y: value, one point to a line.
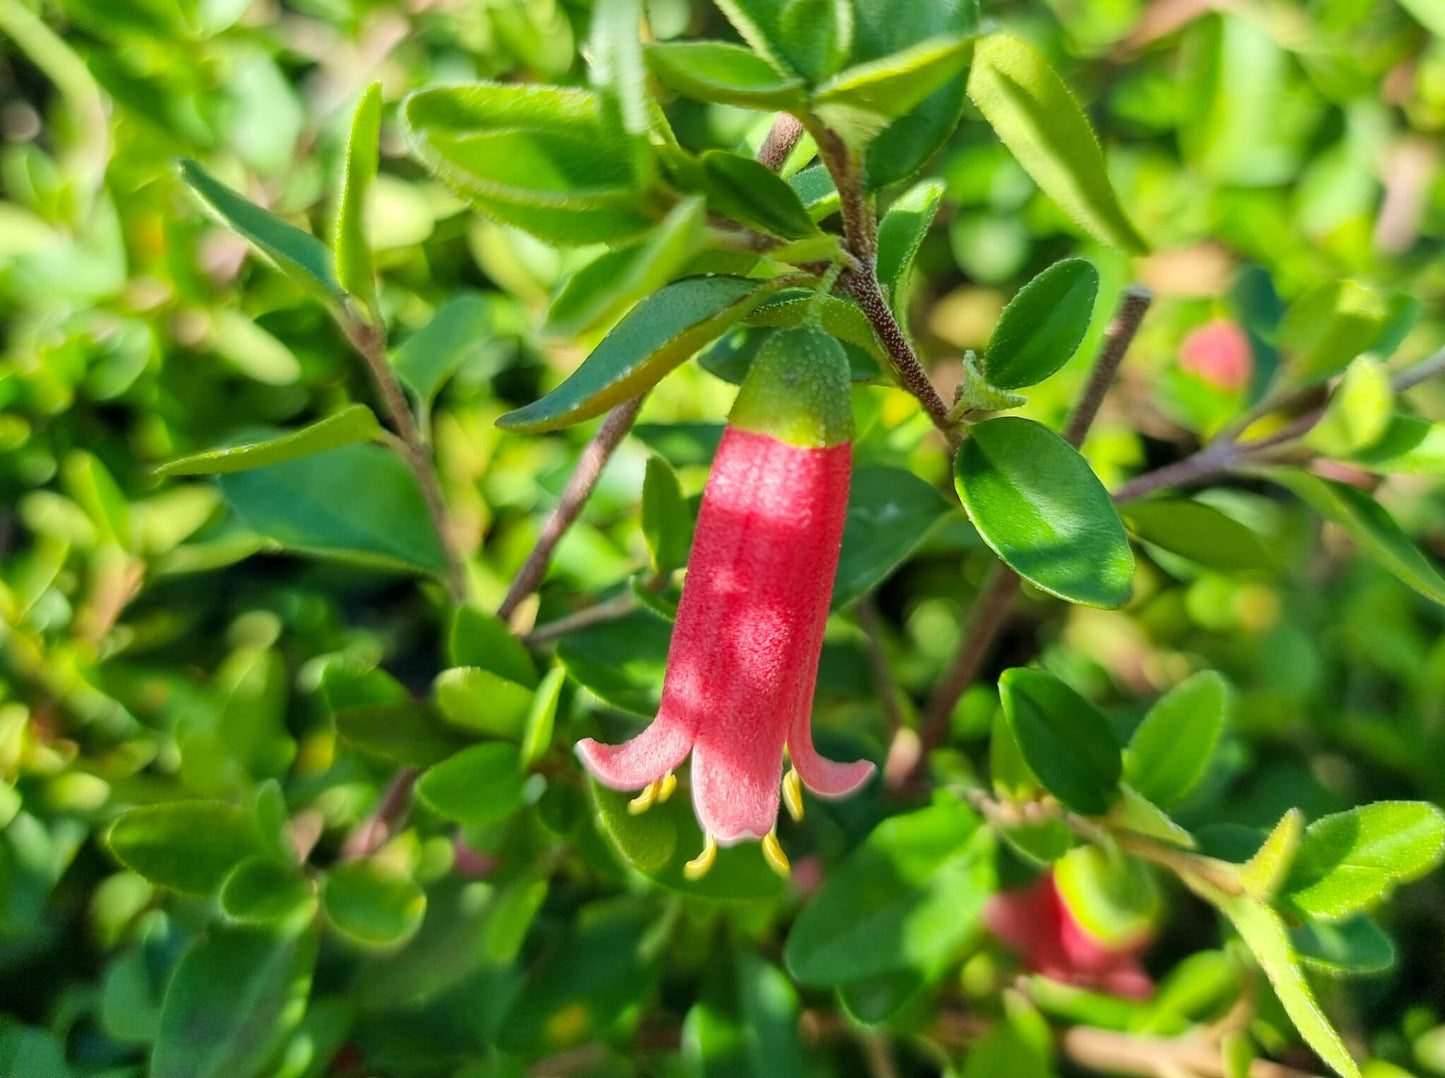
x: 743, y: 661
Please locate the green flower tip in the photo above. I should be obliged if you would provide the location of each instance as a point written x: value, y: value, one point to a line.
x: 798, y: 390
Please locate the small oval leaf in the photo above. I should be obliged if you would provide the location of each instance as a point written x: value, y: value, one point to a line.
x: 1065, y: 740
x: 724, y: 73
x: 477, y: 786
x: 1172, y: 747
x: 372, y: 903
x: 1043, y: 325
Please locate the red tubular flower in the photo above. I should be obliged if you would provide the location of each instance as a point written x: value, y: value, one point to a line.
x: 744, y: 655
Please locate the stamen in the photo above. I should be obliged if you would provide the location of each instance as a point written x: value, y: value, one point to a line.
x: 666, y: 785
x: 643, y: 801
x: 793, y: 793
x: 773, y: 853
x: 697, y: 868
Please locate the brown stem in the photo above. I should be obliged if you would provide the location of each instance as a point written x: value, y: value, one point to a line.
x: 619, y: 606
x: 370, y: 343
x: 371, y: 834
x: 1128, y: 316
x: 1208, y: 463
x: 784, y: 135
x: 579, y: 488
x: 1428, y: 368
x: 1151, y: 1057
x: 882, y: 674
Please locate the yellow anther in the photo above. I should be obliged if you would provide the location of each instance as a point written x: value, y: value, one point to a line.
x: 697, y: 868
x: 665, y: 786
x: 643, y: 801
x: 793, y: 793
x: 773, y: 853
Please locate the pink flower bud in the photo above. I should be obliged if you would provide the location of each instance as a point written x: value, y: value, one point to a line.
x: 1218, y: 353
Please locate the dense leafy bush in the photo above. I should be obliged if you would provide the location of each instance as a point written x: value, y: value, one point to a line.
x: 313, y: 570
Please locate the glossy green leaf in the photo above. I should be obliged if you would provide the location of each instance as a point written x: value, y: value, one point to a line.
x: 909, y: 898
x: 1350, y: 948
x: 542, y: 158
x: 474, y: 699
x: 1064, y: 739
x: 1172, y: 748
x: 1326, y: 328
x: 1038, y: 505
x: 603, y: 289
x: 1352, y: 860
x: 861, y: 100
x: 405, y: 732
x: 354, y: 423
x: 810, y: 37
x: 666, y: 517
x: 724, y: 73
x: 1264, y: 933
x: 299, y: 255
x: 746, y: 190
x: 372, y: 902
x: 1368, y: 523
x: 264, y: 890
x: 354, y: 268
x: 1359, y: 410
x: 657, y: 335
x: 1198, y: 532
x: 901, y: 233
x: 477, y: 638
x: 1409, y: 446
x: 235, y: 995
x: 186, y: 846
x: 476, y: 786
x: 1042, y: 326
x: 891, y: 512
x: 1037, y: 118
x: 458, y: 331
x: 360, y: 502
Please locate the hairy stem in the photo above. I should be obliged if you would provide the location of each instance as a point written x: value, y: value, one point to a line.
x: 1128, y: 316
x: 371, y: 834
x: 786, y: 131
x: 619, y: 606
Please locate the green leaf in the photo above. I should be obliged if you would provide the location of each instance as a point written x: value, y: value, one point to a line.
x: 186, y: 846
x: 264, y: 890
x: 372, y: 902
x: 623, y: 662
x: 1408, y: 446
x: 542, y: 158
x: 1359, y: 410
x: 657, y: 335
x: 1370, y: 526
x: 666, y: 517
x: 480, y: 702
x: 1042, y: 326
x: 1113, y: 899
x: 1327, y: 327
x: 746, y: 190
x: 1135, y: 813
x: 815, y: 187
x: 477, y: 638
x: 1065, y: 740
x: 861, y: 101
x: 909, y: 898
x: 1268, y: 866
x: 458, y: 331
x: 1171, y: 749
x: 405, y: 732
x: 476, y: 786
x: 90, y: 483
x: 1264, y: 933
x: 360, y: 502
x: 745, y: 1023
x: 724, y: 73
x: 1352, y: 860
x: 542, y: 718
x: 659, y: 842
x: 299, y: 255
x: 842, y: 318
x: 1038, y: 505
x: 354, y: 423
x: 1198, y: 532
x: 615, y: 56
x: 1427, y: 14
x: 354, y: 269
x: 901, y: 233
x: 1353, y: 947
x: 603, y: 289
x: 1041, y: 123
x: 732, y: 356
x: 234, y: 997
x: 810, y: 37
x: 891, y: 512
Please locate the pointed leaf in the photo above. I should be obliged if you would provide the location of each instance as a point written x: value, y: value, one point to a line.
x: 747, y: 190
x: 1065, y: 740
x: 615, y: 55
x: 860, y: 101
x: 1042, y: 326
x: 542, y: 717
x: 1038, y: 119
x: 299, y: 255
x: 724, y: 73
x: 901, y: 233
x: 1172, y: 747
x: 1038, y: 505
x: 354, y: 423
x: 1265, y: 872
x: 657, y: 335
x: 1326, y: 328
x: 354, y: 269
x: 459, y: 329
x: 1409, y: 446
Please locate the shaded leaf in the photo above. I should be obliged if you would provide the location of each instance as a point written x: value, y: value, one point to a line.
x: 810, y: 37
x: 1064, y: 739
x: 405, y: 732
x: 458, y: 330
x: 186, y: 846
x: 264, y: 890
x: 477, y: 638
x: 1326, y: 328
x: 746, y: 190
x: 861, y: 101
x: 372, y: 903
x: 891, y: 512
x: 1352, y: 947
x: 725, y: 73
x: 1198, y: 532
x: 354, y: 423
x: 901, y: 233
x: 667, y: 521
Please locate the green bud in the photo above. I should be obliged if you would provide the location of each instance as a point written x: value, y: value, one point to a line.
x: 799, y: 390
